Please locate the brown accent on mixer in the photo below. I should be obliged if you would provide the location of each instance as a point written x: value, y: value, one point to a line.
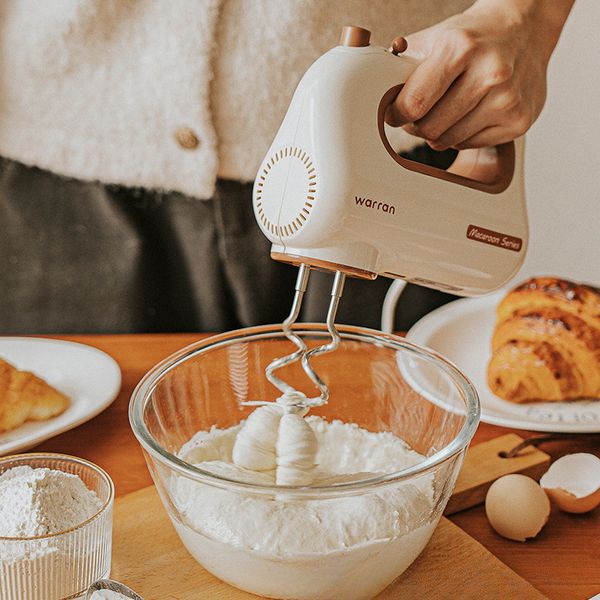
x: 475, y: 170
x: 323, y: 265
x: 356, y: 37
x: 398, y: 46
x: 494, y: 238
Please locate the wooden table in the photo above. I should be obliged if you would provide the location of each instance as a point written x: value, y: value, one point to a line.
x: 563, y: 561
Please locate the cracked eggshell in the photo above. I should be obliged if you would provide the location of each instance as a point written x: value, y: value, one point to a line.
x: 517, y: 507
x: 573, y: 482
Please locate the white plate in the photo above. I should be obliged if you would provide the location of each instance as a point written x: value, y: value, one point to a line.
x: 462, y: 332
x: 90, y: 378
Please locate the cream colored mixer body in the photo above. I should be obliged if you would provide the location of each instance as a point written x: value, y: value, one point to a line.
x: 331, y: 193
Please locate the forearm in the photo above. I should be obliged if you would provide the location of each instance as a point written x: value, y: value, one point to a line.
x: 548, y: 16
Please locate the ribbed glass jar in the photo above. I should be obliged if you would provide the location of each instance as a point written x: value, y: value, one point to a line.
x: 63, y: 565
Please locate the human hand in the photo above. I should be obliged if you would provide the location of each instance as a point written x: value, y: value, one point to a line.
x: 482, y: 79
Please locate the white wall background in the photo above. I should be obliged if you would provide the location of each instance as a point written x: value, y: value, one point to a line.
x: 563, y: 158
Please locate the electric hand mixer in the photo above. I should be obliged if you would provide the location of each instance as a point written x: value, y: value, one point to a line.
x: 332, y: 194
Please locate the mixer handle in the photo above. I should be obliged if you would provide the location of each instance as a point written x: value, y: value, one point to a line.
x: 487, y: 169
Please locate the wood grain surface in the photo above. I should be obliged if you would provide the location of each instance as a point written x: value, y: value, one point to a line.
x: 563, y: 561
x: 483, y: 465
x: 149, y: 557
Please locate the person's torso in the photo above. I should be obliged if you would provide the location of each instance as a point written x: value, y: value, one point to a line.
x: 168, y: 93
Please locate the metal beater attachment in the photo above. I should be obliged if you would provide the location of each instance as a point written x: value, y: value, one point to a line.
x: 336, y: 294
x: 300, y: 289
x: 303, y: 354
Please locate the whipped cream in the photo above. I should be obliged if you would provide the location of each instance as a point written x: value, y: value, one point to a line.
x: 280, y: 546
x: 276, y: 436
x: 296, y: 450
x: 254, y: 445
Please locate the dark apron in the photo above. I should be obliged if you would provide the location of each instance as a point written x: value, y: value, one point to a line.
x: 80, y: 257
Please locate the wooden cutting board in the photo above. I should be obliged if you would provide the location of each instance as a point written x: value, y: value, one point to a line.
x: 148, y: 556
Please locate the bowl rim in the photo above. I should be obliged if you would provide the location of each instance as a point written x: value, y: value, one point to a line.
x: 149, y: 382
x: 67, y: 458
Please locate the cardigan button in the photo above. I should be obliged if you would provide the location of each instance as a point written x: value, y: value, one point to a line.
x: 186, y: 138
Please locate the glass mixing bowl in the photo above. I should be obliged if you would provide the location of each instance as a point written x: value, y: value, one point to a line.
x: 380, y: 382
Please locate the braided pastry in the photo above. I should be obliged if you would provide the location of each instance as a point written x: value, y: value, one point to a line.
x: 546, y: 343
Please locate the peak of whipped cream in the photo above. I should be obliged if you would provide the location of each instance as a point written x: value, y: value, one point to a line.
x: 276, y: 436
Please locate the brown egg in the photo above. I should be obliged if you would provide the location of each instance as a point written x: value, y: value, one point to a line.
x: 517, y: 507
x: 573, y: 482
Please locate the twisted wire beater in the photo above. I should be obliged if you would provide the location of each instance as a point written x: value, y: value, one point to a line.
x: 292, y: 399
x: 336, y: 294
x: 300, y: 289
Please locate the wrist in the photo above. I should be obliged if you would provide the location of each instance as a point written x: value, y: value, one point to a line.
x: 544, y: 17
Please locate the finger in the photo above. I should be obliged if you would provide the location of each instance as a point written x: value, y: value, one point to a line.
x: 490, y: 136
x: 461, y: 98
x: 425, y: 86
x: 471, y: 124
x: 502, y: 106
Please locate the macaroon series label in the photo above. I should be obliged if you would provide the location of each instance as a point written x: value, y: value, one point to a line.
x: 494, y: 238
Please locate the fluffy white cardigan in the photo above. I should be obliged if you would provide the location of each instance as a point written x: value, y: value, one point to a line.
x: 96, y: 89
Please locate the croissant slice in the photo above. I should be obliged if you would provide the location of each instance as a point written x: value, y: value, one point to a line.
x: 26, y: 397
x: 546, y: 344
x: 544, y: 292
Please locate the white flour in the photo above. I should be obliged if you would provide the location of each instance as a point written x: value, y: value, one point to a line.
x: 37, y: 502
x: 42, y: 502
x: 344, y: 547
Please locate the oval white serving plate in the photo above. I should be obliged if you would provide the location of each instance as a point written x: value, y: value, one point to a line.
x: 462, y: 332
x: 90, y: 377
